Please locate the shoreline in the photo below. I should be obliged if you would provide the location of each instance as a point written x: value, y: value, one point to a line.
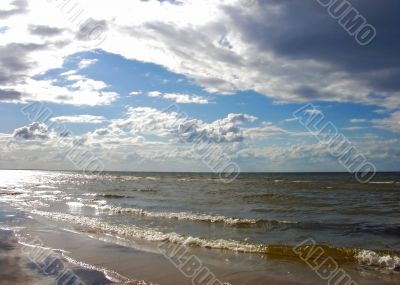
x: 105, y: 259
x: 260, y: 230
x: 97, y: 260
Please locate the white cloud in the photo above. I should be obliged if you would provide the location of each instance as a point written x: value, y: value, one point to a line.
x: 150, y: 121
x: 179, y: 98
x: 288, y: 120
x: 84, y: 63
x: 114, y: 144
x: 391, y: 123
x: 353, y: 128
x: 313, y: 111
x: 155, y: 94
x: 185, y: 98
x: 80, y: 91
x: 265, y: 130
x: 380, y: 111
x: 210, y: 41
x: 79, y: 119
x: 355, y: 121
x: 135, y: 93
x: 32, y: 132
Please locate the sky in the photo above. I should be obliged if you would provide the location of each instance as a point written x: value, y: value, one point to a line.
x: 180, y: 85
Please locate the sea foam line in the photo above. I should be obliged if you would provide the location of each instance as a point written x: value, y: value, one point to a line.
x: 190, y: 216
x: 180, y: 216
x: 132, y: 231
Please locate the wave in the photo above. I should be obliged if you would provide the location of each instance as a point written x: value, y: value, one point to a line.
x: 273, y: 197
x: 179, y: 216
x: 372, y: 258
x: 302, y: 253
x: 186, y: 179
x: 132, y: 231
x: 153, y: 178
x: 46, y: 187
x: 149, y: 190
x: 11, y: 193
x: 190, y: 216
x: 128, y: 178
x: 113, y: 196
x: 33, y: 204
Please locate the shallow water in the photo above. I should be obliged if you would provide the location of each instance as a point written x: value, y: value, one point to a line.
x: 254, y: 222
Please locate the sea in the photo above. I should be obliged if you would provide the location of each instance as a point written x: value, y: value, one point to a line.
x: 262, y: 228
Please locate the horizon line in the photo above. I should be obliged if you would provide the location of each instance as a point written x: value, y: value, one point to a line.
x: 200, y: 172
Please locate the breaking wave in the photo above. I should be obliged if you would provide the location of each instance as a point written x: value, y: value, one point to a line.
x: 381, y: 259
x: 189, y: 216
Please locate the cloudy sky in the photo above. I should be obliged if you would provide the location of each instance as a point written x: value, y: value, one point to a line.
x: 121, y: 79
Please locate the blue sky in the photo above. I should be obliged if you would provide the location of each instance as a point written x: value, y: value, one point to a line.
x: 124, y: 95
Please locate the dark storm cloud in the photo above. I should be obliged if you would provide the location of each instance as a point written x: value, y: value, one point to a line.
x: 310, y: 93
x: 9, y: 95
x: 44, y: 31
x: 304, y: 30
x: 20, y: 7
x: 3, y: 77
x: 14, y: 61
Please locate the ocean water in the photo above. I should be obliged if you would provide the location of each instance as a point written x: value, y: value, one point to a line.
x: 257, y: 222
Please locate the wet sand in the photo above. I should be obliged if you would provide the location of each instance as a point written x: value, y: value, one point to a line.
x: 17, y: 267
x: 136, y: 265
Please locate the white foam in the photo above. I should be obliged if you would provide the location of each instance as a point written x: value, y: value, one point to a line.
x: 46, y: 187
x: 189, y: 179
x: 131, y: 231
x: 75, y: 204
x: 180, y: 216
x: 152, y: 178
x: 128, y: 178
x: 35, y: 204
x: 371, y: 258
x: 101, y: 206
